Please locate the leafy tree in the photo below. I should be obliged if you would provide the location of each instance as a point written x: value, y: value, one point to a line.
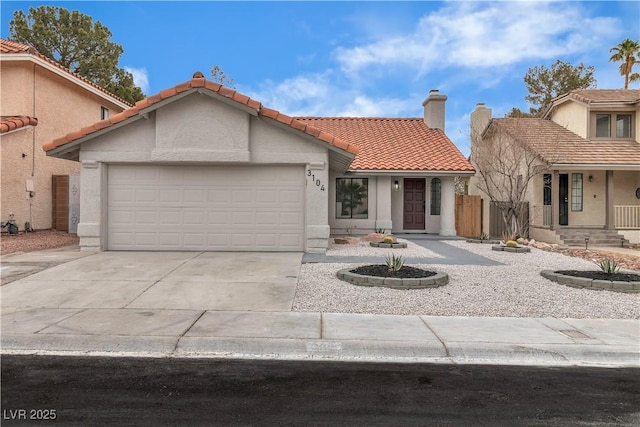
x: 221, y: 77
x: 544, y: 83
x: 73, y: 40
x: 517, y: 113
x: 627, y: 52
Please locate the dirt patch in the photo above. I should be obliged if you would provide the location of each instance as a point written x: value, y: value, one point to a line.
x: 37, y: 240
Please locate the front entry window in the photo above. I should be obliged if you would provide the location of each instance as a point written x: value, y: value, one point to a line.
x: 436, y: 185
x: 576, y: 192
x: 352, y: 198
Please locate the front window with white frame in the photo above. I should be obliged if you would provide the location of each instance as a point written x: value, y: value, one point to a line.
x: 352, y: 198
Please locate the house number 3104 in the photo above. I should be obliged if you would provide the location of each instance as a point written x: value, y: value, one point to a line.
x: 317, y: 181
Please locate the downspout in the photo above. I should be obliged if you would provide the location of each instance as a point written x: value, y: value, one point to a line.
x: 33, y: 145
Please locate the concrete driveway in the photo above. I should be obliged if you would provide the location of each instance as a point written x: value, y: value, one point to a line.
x: 160, y: 280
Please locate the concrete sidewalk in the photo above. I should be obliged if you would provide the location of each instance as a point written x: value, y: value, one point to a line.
x: 323, y: 336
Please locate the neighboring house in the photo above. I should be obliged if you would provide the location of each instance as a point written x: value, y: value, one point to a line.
x: 40, y: 101
x: 202, y: 167
x: 587, y: 144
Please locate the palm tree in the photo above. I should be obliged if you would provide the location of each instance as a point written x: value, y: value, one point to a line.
x: 627, y: 52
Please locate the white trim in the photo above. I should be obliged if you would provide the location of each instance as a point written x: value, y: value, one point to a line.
x: 66, y: 75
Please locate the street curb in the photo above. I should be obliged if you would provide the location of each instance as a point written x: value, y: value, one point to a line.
x: 550, y: 355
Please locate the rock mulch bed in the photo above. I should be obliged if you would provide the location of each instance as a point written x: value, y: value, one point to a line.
x: 597, y: 280
x: 37, y: 240
x: 405, y: 278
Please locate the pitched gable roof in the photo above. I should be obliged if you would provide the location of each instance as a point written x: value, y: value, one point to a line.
x: 11, y: 123
x: 559, y: 146
x: 199, y: 82
x: 592, y: 96
x: 388, y: 144
x: 10, y: 49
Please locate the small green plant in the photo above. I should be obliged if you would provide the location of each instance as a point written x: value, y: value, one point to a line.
x: 608, y: 266
x: 483, y: 236
x: 512, y: 244
x: 381, y: 231
x: 394, y: 263
x: 387, y: 239
x: 351, y: 229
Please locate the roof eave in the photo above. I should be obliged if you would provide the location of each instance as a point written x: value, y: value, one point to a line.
x: 424, y: 172
x: 338, y: 150
x: 594, y: 166
x: 64, y: 150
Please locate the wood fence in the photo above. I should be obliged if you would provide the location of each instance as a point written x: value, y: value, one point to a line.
x: 468, y: 215
x: 497, y: 227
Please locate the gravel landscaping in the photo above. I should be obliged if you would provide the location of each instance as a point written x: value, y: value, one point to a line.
x: 364, y: 249
x: 38, y: 240
x: 515, y: 289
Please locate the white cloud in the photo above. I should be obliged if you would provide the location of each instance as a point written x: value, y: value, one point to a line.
x: 140, y: 78
x: 325, y: 94
x: 480, y: 35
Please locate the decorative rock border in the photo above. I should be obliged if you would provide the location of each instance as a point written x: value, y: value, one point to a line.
x: 437, y: 280
x: 519, y: 250
x: 492, y: 242
x: 388, y: 245
x: 585, y: 282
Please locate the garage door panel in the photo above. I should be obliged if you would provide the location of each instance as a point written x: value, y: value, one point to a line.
x: 205, y: 208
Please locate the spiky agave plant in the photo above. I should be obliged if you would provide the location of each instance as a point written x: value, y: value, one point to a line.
x: 608, y: 266
x: 394, y: 263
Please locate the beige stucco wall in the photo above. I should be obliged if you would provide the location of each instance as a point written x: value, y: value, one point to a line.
x: 385, y: 206
x: 249, y: 140
x: 61, y: 107
x: 572, y: 116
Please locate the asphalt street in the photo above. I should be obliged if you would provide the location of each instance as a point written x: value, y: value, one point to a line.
x: 96, y: 391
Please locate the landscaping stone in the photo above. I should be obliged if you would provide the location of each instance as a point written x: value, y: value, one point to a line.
x: 519, y: 250
x: 594, y: 284
x: 388, y: 245
x: 439, y: 279
x: 491, y: 242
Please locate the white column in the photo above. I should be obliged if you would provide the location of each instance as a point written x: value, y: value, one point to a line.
x: 448, y: 207
x: 90, y: 227
x: 317, y: 207
x: 383, y: 203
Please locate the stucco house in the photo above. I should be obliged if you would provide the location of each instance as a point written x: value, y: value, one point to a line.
x: 40, y: 101
x: 202, y: 167
x: 588, y: 151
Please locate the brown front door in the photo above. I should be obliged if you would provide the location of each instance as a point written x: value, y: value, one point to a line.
x: 414, y: 203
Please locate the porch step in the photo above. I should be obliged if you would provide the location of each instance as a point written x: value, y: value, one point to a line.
x: 597, y: 237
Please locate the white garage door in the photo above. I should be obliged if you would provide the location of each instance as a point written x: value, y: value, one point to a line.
x: 254, y: 208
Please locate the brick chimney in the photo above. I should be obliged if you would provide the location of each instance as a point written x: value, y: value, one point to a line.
x: 434, y: 109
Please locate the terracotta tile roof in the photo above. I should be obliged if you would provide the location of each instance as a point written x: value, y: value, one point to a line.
x: 9, y: 123
x: 198, y: 81
x: 8, y: 47
x: 590, y: 96
x: 558, y: 145
x: 394, y: 143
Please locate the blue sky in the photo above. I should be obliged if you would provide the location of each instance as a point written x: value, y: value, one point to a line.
x: 363, y: 58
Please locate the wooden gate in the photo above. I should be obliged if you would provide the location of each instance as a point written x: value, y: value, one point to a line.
x: 468, y: 215
x: 60, y: 204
